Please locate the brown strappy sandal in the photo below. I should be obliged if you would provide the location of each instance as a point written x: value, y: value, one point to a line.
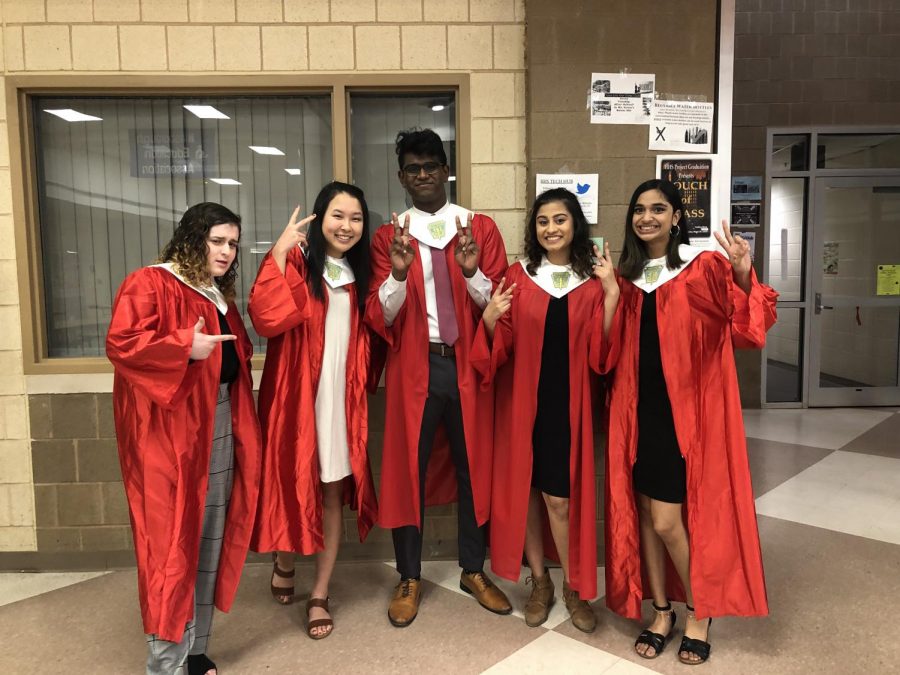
x: 284, y: 595
x: 318, y: 623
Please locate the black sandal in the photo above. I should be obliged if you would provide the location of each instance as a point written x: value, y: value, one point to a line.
x: 655, y: 640
x: 284, y: 595
x: 199, y: 664
x: 694, y: 646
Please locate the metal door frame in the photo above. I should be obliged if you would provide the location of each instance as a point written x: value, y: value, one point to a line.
x: 806, y: 303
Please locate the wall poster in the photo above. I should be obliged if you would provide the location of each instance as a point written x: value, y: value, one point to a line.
x: 693, y: 178
x: 585, y: 186
x: 617, y: 98
x: 745, y: 214
x: 681, y: 125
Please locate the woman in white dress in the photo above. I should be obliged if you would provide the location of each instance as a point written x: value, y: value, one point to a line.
x: 307, y: 300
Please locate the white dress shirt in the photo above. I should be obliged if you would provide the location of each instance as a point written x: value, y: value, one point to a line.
x: 392, y: 293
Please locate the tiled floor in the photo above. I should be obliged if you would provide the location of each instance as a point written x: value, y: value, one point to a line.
x: 828, y: 497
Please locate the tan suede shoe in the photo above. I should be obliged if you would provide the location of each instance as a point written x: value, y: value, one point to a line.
x: 583, y: 617
x: 537, y: 609
x: 405, y: 604
x: 488, y: 596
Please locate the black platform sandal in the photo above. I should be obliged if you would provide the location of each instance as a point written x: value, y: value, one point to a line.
x: 655, y: 640
x: 199, y: 664
x: 694, y: 646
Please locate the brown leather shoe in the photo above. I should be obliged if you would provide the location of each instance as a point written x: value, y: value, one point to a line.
x: 583, y: 617
x: 537, y: 609
x: 488, y: 596
x: 404, y: 605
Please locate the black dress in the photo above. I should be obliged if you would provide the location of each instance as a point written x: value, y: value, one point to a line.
x: 551, y: 437
x: 659, y: 470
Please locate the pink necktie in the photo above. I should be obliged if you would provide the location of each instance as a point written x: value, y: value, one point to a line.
x: 447, y: 326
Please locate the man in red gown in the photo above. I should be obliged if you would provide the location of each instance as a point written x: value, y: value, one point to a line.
x: 432, y: 276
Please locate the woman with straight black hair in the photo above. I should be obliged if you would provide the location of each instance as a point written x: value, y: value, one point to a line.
x: 680, y: 519
x: 308, y: 300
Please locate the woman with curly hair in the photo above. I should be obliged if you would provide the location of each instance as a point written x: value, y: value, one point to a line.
x: 542, y: 338
x: 187, y: 433
x: 308, y: 300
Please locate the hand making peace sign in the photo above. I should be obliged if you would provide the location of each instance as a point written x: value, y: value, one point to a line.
x: 499, y: 305
x: 738, y: 251
x: 402, y: 254
x: 604, y: 269
x: 294, y: 234
x: 467, y: 251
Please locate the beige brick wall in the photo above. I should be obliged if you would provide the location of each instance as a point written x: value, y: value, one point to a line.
x: 81, y: 509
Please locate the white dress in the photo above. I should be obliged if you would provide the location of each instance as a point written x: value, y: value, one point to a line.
x: 331, y: 418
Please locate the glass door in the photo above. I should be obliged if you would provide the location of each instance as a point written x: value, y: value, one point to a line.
x: 854, y: 270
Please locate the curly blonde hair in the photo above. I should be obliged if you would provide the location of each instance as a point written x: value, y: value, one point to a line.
x: 188, y: 248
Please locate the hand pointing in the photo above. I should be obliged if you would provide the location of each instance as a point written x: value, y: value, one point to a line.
x: 203, y: 344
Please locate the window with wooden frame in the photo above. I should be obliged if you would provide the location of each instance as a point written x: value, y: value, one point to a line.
x: 107, y: 170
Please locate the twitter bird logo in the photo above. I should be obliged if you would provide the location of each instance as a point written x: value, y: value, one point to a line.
x: 582, y: 188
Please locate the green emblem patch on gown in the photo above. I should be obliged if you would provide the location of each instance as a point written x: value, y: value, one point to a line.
x: 437, y: 229
x: 651, y: 273
x: 560, y: 279
x: 333, y: 271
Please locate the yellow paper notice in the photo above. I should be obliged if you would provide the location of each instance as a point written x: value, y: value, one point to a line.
x: 888, y: 280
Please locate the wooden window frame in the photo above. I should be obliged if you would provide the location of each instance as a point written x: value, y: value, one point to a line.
x: 20, y: 89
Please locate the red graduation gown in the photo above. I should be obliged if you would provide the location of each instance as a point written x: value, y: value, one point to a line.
x: 516, y: 351
x: 703, y: 315
x: 282, y: 308
x: 406, y: 383
x: 165, y: 414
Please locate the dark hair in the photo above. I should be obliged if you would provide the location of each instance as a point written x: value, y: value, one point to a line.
x: 422, y: 142
x: 357, y: 256
x: 634, y: 252
x: 581, y: 248
x: 188, y: 249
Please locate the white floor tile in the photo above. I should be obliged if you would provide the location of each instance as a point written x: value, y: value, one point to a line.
x: 821, y: 428
x: 555, y: 653
x: 625, y: 667
x: 846, y: 492
x: 15, y: 586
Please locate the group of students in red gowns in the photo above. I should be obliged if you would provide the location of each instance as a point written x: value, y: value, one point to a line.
x: 492, y: 400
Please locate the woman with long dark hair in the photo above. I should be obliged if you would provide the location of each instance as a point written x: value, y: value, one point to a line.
x: 542, y: 337
x: 187, y: 433
x: 308, y: 300
x: 680, y: 520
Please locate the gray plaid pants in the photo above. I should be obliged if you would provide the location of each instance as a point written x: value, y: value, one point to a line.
x: 170, y: 658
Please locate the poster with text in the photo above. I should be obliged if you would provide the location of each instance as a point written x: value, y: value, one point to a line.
x: 693, y: 177
x: 681, y: 125
x: 746, y: 188
x: 745, y: 214
x: 617, y: 98
x: 582, y: 185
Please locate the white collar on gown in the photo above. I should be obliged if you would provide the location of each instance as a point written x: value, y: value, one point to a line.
x: 656, y: 273
x: 556, y: 280
x: 211, y: 293
x: 435, y: 229
x: 337, y: 272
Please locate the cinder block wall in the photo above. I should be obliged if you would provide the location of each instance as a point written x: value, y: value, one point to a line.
x: 59, y: 488
x: 567, y: 40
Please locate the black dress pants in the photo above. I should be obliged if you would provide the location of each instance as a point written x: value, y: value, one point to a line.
x: 442, y: 406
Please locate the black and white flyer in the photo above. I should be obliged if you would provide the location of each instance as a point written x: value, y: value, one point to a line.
x: 681, y: 125
x: 618, y: 98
